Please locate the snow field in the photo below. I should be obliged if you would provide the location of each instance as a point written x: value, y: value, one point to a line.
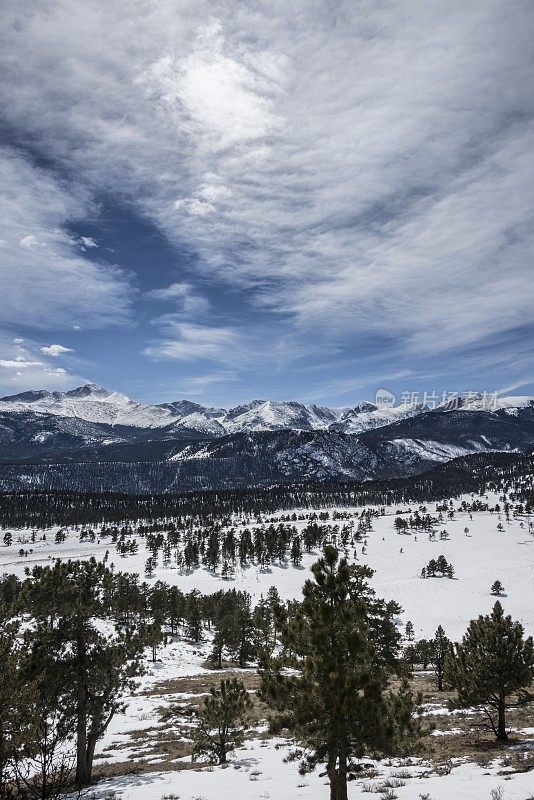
x: 479, y: 558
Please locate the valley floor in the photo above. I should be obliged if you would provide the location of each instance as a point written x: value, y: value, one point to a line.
x: 479, y: 557
x: 145, y: 754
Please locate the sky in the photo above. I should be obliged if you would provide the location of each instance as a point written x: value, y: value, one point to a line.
x: 224, y: 201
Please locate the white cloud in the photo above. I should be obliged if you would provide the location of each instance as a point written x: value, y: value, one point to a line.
x: 182, y: 295
x: 21, y: 368
x: 214, y: 92
x: 188, y: 342
x: 84, y: 243
x: 18, y: 363
x: 44, y: 280
x: 213, y: 193
x: 195, y: 207
x: 360, y: 168
x: 55, y: 350
x: 87, y: 242
x: 30, y: 241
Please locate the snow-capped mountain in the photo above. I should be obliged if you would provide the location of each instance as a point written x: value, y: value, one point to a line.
x: 268, y: 415
x: 488, y: 402
x: 92, y: 403
x: 367, y: 416
x: 260, y: 441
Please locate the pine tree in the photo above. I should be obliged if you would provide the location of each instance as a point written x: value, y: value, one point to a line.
x: 10, y: 701
x: 246, y: 648
x: 153, y: 635
x: 424, y: 650
x: 346, y: 646
x: 150, y: 566
x: 441, y: 565
x: 440, y: 647
x: 176, y: 607
x: 44, y: 762
x: 296, y: 551
x: 226, y: 629
x: 193, y: 615
x: 94, y: 669
x: 492, y: 667
x: 221, y: 720
x: 497, y: 589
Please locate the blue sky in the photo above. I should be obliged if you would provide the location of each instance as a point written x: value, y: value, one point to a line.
x: 226, y: 201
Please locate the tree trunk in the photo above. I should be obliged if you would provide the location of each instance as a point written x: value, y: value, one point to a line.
x: 91, y: 744
x: 337, y: 777
x: 83, y: 771
x: 502, y: 736
x: 222, y: 748
x: 332, y: 777
x: 342, y: 778
x: 83, y: 775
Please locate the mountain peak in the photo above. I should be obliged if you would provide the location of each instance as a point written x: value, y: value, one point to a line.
x: 364, y: 407
x: 87, y: 390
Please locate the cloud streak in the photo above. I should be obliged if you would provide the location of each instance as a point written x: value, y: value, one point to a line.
x: 359, y: 170
x: 182, y: 295
x: 45, y: 281
x: 190, y: 342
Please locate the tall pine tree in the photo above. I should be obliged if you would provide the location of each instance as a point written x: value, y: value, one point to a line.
x: 10, y: 700
x: 346, y: 645
x: 93, y: 668
x: 440, y: 647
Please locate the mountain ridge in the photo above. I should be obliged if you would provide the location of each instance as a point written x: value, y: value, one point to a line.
x: 260, y: 443
x: 95, y: 404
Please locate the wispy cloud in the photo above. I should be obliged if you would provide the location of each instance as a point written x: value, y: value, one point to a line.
x: 45, y: 280
x: 182, y: 295
x: 189, y: 342
x: 205, y: 385
x: 18, y: 363
x: 359, y: 169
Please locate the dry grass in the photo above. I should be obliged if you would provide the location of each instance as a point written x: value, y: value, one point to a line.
x: 173, y: 741
x: 474, y: 740
x: 462, y: 735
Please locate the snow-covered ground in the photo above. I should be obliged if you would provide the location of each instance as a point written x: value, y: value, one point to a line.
x: 479, y: 558
x: 257, y: 771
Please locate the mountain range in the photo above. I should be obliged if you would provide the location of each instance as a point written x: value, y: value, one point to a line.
x: 183, y: 445
x: 92, y: 403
